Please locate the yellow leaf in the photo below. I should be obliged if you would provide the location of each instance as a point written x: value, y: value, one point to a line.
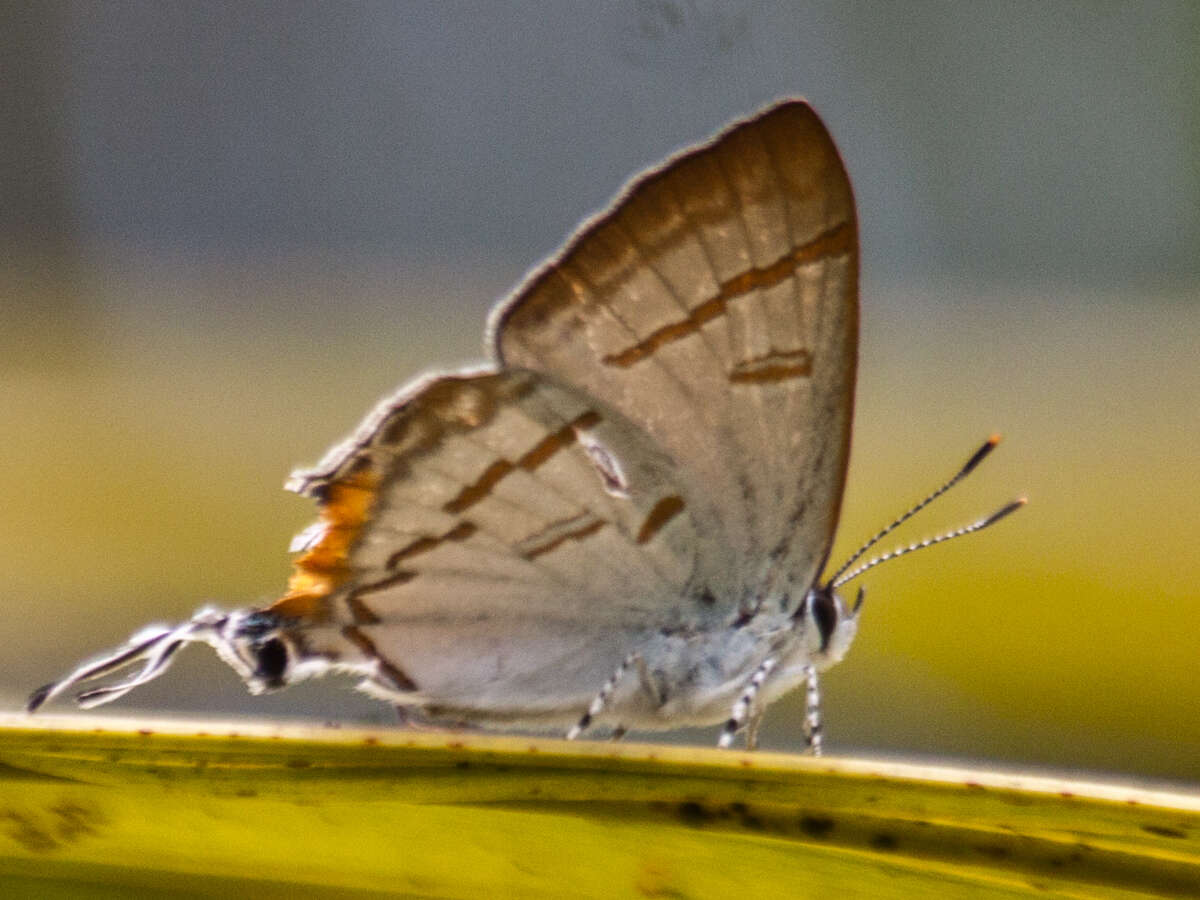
x: 98, y: 807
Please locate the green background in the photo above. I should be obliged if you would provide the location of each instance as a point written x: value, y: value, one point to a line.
x: 229, y: 229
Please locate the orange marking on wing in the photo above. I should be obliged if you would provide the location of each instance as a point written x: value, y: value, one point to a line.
x: 834, y: 242
x: 663, y: 512
x: 324, y: 567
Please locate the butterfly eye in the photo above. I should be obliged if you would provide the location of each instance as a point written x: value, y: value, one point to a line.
x: 825, y: 614
x: 271, y: 658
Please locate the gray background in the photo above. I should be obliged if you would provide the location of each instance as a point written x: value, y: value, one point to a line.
x: 985, y: 139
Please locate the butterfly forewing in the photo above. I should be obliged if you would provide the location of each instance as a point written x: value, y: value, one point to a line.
x: 715, y: 305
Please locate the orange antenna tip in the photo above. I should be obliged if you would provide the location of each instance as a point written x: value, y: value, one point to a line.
x: 987, y: 447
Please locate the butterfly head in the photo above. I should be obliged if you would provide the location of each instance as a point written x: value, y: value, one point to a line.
x: 251, y: 645
x: 831, y: 624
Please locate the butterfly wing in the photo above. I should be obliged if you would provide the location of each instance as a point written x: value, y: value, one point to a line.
x: 715, y: 304
x: 485, y: 535
x: 663, y: 443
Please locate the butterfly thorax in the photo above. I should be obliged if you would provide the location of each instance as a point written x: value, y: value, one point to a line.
x: 693, y: 675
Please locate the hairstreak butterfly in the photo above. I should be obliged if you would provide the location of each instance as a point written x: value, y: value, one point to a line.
x: 623, y: 519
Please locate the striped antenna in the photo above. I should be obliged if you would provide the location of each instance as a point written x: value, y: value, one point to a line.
x: 977, y: 457
x: 929, y: 542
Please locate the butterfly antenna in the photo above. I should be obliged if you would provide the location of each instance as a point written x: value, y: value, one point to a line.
x: 976, y: 458
x: 929, y: 542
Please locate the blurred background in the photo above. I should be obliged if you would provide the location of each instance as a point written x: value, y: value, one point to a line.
x: 228, y: 228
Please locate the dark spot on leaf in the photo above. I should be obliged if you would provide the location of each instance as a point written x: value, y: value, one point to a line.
x: 816, y: 826
x: 694, y: 814
x: 884, y: 841
x: 1164, y: 831
x: 752, y: 823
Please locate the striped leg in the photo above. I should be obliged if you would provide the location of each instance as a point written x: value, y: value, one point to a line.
x: 743, y: 707
x: 601, y: 699
x: 812, y: 711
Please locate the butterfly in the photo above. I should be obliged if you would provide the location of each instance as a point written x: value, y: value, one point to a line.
x: 622, y: 520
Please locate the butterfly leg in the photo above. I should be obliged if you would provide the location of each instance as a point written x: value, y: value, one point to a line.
x: 652, y: 688
x: 744, y: 708
x: 812, y: 711
x: 601, y: 699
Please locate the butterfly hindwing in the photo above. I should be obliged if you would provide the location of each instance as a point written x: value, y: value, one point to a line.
x: 499, y: 507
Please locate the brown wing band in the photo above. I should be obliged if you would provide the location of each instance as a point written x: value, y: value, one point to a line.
x: 387, y: 669
x: 496, y: 472
x: 779, y: 365
x: 663, y: 512
x: 533, y: 551
x: 836, y: 241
